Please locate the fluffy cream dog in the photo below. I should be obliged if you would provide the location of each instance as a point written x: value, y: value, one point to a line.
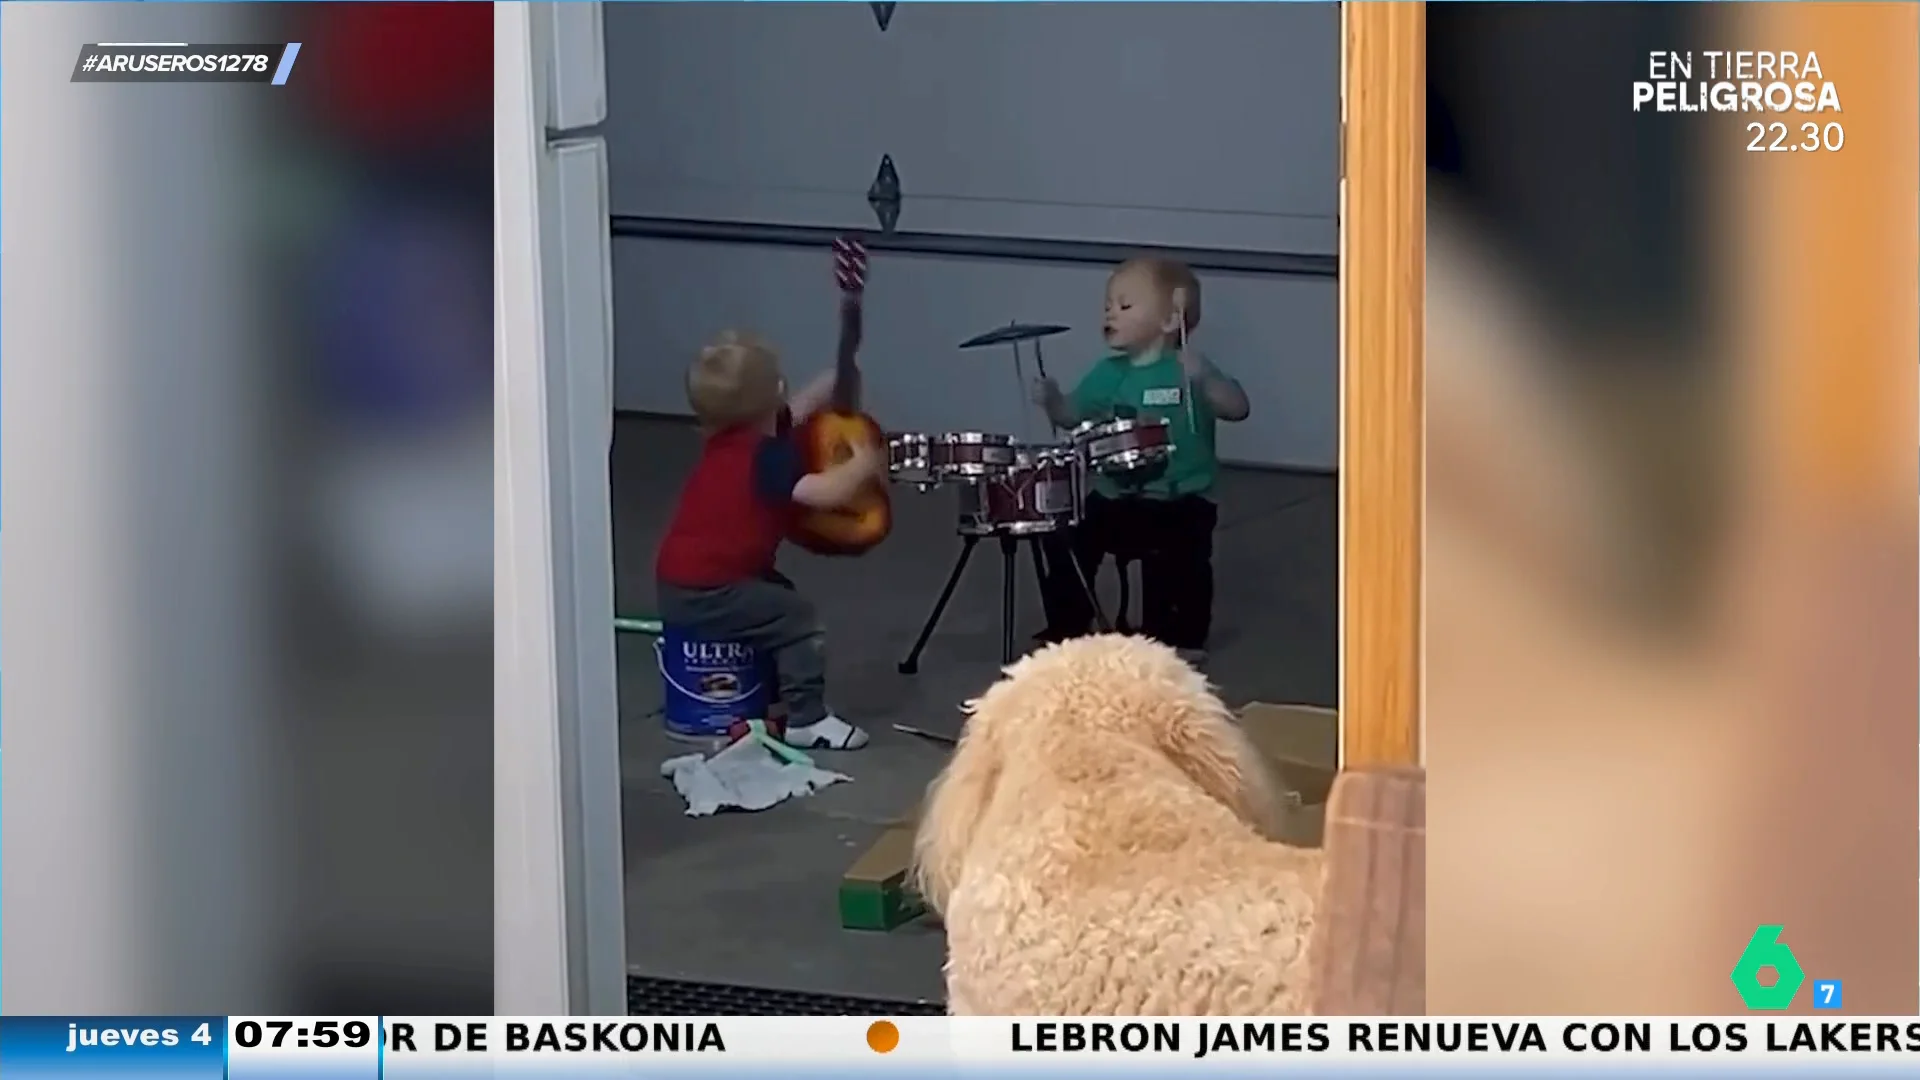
x: 1098, y: 846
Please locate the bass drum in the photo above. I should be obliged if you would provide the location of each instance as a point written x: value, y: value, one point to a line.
x: 1041, y: 493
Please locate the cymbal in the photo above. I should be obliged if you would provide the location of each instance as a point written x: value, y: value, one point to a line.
x: 1013, y: 332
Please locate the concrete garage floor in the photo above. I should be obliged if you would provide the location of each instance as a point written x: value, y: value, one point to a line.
x: 751, y: 898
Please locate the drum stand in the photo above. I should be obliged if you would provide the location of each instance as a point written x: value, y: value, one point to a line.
x: 1009, y: 554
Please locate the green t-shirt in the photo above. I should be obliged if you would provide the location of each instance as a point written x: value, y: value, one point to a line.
x: 1157, y: 389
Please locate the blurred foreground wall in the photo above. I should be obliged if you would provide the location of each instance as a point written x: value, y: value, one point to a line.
x: 244, y: 423
x: 1671, y: 627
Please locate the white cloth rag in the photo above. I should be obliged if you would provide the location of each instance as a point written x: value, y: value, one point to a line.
x: 746, y: 776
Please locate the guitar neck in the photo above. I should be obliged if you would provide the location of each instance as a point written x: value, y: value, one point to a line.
x: 846, y: 373
x: 850, y: 259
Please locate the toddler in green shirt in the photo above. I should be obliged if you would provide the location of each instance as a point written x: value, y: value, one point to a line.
x: 1164, y: 518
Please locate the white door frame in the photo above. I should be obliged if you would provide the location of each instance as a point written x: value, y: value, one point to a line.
x: 559, y: 905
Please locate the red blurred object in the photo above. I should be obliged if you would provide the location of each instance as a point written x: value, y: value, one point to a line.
x: 776, y: 727
x: 401, y: 70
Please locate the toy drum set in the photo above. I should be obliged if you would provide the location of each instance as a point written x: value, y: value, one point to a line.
x: 1017, y: 492
x: 1009, y: 488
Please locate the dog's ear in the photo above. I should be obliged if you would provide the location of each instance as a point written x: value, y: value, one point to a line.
x: 956, y: 800
x: 1211, y: 749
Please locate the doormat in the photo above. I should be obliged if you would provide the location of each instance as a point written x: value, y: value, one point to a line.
x: 647, y: 996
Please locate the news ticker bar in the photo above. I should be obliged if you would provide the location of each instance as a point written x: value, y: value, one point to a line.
x: 381, y: 1047
x: 179, y: 62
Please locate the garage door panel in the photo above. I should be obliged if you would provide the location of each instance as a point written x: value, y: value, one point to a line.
x: 1214, y: 109
x: 1278, y: 335
x: 716, y: 101
x: 1210, y: 125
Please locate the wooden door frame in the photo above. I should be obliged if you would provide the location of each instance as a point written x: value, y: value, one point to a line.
x: 1382, y: 380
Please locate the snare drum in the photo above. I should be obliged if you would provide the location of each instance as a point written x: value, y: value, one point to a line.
x: 969, y: 455
x: 907, y: 459
x: 1040, y: 493
x: 1123, y: 446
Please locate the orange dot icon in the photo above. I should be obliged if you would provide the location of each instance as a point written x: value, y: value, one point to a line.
x: 882, y: 1036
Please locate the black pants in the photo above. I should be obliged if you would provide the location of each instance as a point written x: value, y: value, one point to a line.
x: 1172, y: 539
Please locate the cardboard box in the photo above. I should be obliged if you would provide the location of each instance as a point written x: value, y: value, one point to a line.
x: 1301, y: 744
x: 874, y: 894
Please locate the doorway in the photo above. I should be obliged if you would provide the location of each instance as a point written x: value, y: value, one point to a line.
x: 981, y: 237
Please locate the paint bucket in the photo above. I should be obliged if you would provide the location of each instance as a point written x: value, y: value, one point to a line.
x: 710, y: 685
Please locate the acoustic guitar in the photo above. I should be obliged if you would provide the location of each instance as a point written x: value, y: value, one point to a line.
x: 828, y: 437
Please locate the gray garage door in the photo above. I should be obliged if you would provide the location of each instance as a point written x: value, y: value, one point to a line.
x: 1208, y: 128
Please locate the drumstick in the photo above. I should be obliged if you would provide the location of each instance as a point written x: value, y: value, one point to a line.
x: 1180, y: 312
x: 1020, y: 377
x: 1040, y: 362
x: 932, y: 736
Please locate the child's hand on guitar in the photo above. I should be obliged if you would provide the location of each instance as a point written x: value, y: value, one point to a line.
x: 867, y: 461
x: 817, y: 394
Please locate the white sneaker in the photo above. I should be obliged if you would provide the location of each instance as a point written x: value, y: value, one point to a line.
x: 828, y: 733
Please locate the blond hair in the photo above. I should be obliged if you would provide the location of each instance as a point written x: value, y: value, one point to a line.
x: 1169, y: 276
x: 735, y: 380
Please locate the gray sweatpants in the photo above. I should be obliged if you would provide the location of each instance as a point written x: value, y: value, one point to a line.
x: 770, y: 615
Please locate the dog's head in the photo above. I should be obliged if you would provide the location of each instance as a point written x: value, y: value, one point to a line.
x: 1067, y: 697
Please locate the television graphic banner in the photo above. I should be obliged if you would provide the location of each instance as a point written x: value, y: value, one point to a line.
x: 453, y: 1048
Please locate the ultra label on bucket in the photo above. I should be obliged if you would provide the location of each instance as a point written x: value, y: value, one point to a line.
x: 710, y: 684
